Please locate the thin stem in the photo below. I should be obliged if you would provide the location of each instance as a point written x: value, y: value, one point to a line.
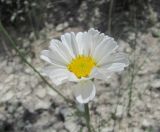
x: 131, y: 83
x: 130, y: 93
x: 13, y: 43
x: 110, y: 16
x: 87, y: 117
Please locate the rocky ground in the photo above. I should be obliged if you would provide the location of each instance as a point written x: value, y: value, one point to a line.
x: 28, y: 105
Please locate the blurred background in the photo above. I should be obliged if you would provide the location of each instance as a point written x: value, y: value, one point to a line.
x: 128, y: 102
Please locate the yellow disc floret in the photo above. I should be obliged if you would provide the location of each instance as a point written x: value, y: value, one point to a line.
x: 82, y: 65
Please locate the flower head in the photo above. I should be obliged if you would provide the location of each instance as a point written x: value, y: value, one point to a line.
x: 81, y: 57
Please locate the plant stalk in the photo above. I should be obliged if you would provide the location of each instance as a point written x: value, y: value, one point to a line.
x: 110, y: 17
x: 87, y: 117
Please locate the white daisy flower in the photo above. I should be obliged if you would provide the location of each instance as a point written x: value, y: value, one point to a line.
x: 81, y: 57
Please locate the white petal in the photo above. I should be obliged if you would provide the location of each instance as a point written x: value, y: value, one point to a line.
x: 117, y: 67
x: 84, y: 91
x: 113, y: 58
x: 82, y: 41
x: 101, y: 74
x: 88, y: 41
x: 114, y: 62
x: 107, y: 46
x: 53, y: 57
x: 57, y: 46
x: 69, y: 40
x: 95, y: 38
x: 57, y: 75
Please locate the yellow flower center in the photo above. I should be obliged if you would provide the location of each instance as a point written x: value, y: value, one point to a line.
x: 82, y: 65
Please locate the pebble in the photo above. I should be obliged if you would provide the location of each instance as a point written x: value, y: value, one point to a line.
x: 71, y: 126
x: 107, y: 129
x: 8, y: 96
x: 26, y: 44
x: 103, y: 110
x: 42, y: 104
x: 3, y: 64
x: 9, y: 79
x: 63, y: 130
x: 156, y: 84
x: 2, y: 117
x: 146, y: 124
x: 34, y: 81
x: 51, y: 92
x: 119, y: 112
x: 61, y: 26
x: 65, y: 112
x: 40, y: 92
x: 58, y: 125
x: 1, y: 86
x: 136, y: 130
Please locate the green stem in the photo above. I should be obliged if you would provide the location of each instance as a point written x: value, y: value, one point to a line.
x: 87, y: 117
x: 110, y: 16
x: 13, y: 43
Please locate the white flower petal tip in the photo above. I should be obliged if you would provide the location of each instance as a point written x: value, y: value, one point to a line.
x: 84, y: 91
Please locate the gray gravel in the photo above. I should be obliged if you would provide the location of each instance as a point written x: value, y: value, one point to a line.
x: 28, y: 105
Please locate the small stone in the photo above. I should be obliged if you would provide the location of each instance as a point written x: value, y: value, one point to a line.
x: 11, y: 109
x: 2, y: 117
x: 65, y: 24
x: 34, y: 81
x: 1, y: 86
x: 26, y: 44
x: 155, y: 33
x: 146, y: 124
x: 61, y: 26
x: 8, y: 69
x: 49, y: 26
x: 28, y: 70
x: 25, y: 92
x: 119, y: 112
x: 71, y: 126
x: 136, y: 130
x: 3, y: 64
x: 29, y: 59
x: 8, y: 96
x: 107, y: 129
x: 50, y: 130
x: 102, y: 110
x: 63, y: 130
x: 42, y: 104
x: 156, y: 84
x: 58, y: 125
x: 32, y: 36
x: 40, y: 92
x: 156, y: 129
x: 18, y: 68
x: 51, y: 92
x: 9, y: 78
x: 65, y: 112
